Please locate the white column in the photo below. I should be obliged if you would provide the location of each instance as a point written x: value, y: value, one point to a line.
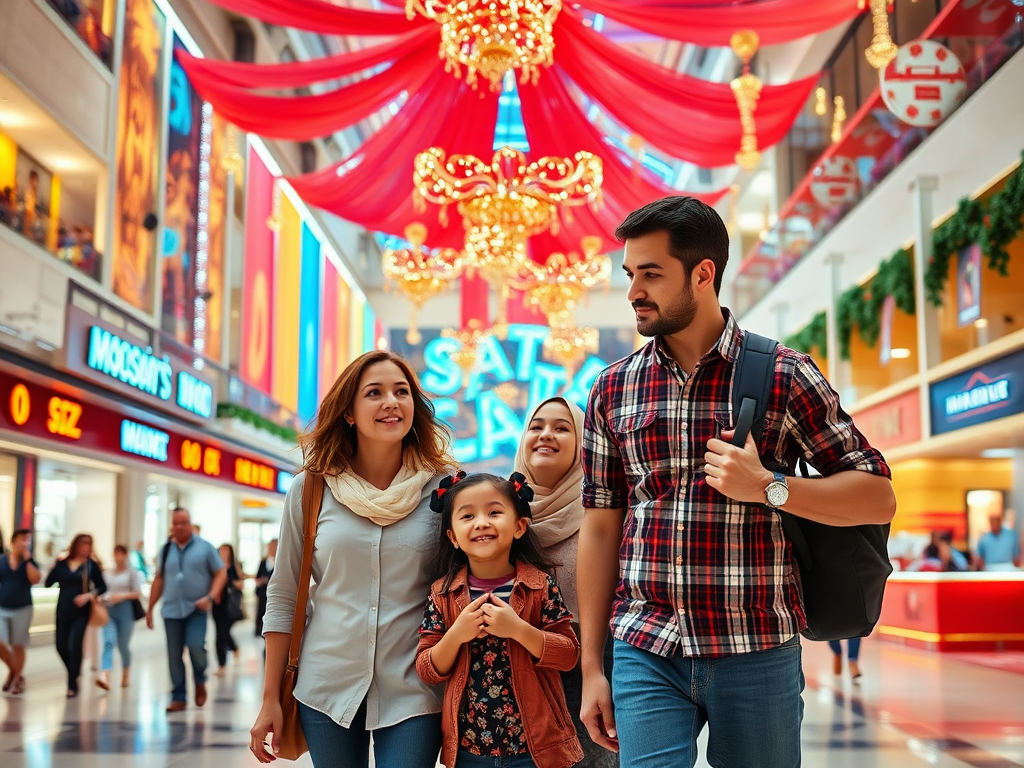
x: 1015, y: 500
x: 928, y: 347
x: 130, y: 518
x: 835, y: 263
x: 780, y: 309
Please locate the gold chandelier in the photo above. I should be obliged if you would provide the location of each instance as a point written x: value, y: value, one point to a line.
x: 882, y: 49
x: 746, y: 89
x: 469, y: 341
x: 570, y: 346
x: 557, y: 286
x: 492, y: 37
x: 522, y: 198
x: 418, y: 275
x: 504, y: 202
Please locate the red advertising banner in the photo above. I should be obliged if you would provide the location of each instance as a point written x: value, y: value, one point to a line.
x: 62, y: 416
x: 892, y: 423
x: 258, y: 276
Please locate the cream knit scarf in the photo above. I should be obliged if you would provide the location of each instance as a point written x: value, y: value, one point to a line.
x: 386, y: 506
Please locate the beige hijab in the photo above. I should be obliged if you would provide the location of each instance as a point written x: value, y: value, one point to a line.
x: 383, y: 506
x: 558, y: 511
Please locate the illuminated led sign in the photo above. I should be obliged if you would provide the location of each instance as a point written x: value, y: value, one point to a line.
x: 129, y: 363
x: 194, y: 395
x: 63, y: 418
x: 144, y: 441
x: 108, y: 428
x: 987, y: 392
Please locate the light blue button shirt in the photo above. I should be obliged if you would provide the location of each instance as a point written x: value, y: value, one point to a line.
x: 188, y: 575
x: 999, y: 550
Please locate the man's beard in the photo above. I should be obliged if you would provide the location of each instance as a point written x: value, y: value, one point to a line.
x: 672, y: 319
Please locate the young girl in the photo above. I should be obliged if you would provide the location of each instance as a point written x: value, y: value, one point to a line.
x: 496, y: 632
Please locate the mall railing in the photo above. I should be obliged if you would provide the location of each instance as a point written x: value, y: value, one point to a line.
x: 877, y: 142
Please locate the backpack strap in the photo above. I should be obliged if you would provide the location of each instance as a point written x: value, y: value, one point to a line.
x: 751, y: 390
x: 163, y: 558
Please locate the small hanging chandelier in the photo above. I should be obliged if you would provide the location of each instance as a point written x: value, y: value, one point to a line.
x: 746, y: 89
x: 570, y: 346
x: 882, y: 49
x: 419, y: 275
x: 493, y: 37
x: 556, y: 287
x: 469, y: 341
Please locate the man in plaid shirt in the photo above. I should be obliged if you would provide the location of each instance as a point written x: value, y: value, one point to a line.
x: 680, y: 549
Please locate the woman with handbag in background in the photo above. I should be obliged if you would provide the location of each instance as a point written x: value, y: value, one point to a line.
x: 124, y: 585
x: 379, y: 451
x: 228, y: 609
x: 80, y: 578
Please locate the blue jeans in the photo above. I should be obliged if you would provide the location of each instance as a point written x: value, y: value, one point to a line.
x: 189, y: 632
x: 412, y: 743
x: 469, y: 760
x: 750, y: 702
x: 852, y: 648
x: 118, y: 631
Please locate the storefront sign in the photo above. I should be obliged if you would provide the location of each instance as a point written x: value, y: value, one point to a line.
x: 982, y: 394
x: 892, y: 423
x: 107, y: 355
x: 111, y: 431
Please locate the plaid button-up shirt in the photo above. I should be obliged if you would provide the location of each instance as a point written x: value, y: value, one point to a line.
x: 701, y: 574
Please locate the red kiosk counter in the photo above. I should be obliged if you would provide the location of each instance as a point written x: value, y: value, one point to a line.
x: 975, y: 611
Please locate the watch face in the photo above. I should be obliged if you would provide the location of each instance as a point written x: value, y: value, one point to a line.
x: 777, y: 494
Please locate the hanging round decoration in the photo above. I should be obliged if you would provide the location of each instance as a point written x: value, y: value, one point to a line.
x: 924, y: 83
x: 835, y: 181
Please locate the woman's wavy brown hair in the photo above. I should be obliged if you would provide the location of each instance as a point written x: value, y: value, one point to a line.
x: 331, y: 443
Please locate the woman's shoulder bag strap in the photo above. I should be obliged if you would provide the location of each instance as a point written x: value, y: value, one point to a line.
x: 312, y: 499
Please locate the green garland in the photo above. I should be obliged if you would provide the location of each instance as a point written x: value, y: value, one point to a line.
x: 994, y: 224
x: 235, y: 411
x: 812, y: 336
x: 861, y: 306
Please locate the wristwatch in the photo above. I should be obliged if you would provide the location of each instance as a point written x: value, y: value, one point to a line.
x: 776, y: 494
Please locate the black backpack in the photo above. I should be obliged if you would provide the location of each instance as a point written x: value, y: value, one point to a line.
x: 842, y: 569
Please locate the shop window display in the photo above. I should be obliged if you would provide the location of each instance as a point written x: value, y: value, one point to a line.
x: 93, y: 20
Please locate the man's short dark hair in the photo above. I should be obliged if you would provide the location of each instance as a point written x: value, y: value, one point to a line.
x: 695, y: 231
x: 19, y: 533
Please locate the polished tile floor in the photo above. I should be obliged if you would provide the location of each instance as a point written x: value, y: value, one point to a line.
x: 911, y: 709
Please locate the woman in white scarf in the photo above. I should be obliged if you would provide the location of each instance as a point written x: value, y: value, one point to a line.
x: 381, y: 450
x: 549, y: 457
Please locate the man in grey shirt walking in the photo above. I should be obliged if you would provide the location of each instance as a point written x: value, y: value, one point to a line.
x: 190, y: 577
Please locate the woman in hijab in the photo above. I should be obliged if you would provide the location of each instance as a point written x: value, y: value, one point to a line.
x: 549, y: 457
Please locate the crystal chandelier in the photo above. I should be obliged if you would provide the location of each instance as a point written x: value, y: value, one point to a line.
x: 570, y: 346
x: 556, y: 287
x: 882, y: 49
x: 746, y: 89
x: 419, y: 275
x: 492, y: 37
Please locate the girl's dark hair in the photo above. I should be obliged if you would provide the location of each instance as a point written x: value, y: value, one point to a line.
x: 231, y: 554
x: 448, y: 561
x: 120, y: 549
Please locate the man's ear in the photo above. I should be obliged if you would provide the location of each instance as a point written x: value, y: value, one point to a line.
x: 703, y: 276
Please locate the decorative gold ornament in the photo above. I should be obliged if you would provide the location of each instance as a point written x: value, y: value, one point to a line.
x: 420, y: 276
x: 232, y: 161
x: 570, y: 346
x: 838, y: 118
x: 493, y: 37
x: 469, y: 340
x: 882, y: 49
x: 508, y: 392
x: 746, y: 89
x: 556, y: 287
x: 274, y: 219
x: 820, y: 102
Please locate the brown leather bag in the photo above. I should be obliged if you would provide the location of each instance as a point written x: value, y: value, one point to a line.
x: 99, y: 615
x: 292, y: 740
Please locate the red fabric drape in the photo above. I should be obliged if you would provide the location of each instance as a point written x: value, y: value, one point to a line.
x: 306, y: 117
x: 692, y: 119
x: 474, y: 302
x: 295, y: 74
x: 375, y: 185
x: 549, y: 104
x: 712, y: 22
x: 324, y: 17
